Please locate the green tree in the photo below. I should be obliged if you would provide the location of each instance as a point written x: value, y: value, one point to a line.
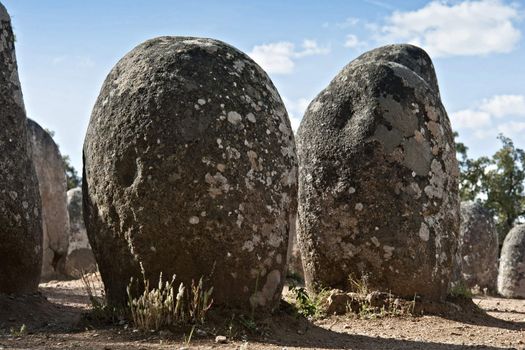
x: 73, y: 180
x: 498, y: 182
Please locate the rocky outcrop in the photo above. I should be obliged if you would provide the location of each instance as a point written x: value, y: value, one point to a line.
x: 20, y: 220
x: 190, y: 169
x: 52, y: 185
x: 378, y: 191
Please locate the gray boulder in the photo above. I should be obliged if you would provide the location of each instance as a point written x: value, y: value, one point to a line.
x: 477, y: 261
x: 80, y: 258
x: 20, y: 220
x: 52, y: 185
x: 511, y: 276
x: 190, y: 169
x: 378, y: 178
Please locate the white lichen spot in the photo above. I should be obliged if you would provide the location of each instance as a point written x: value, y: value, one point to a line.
x: 234, y: 117
x: 424, y: 233
x: 359, y: 206
x: 251, y: 117
x: 351, y: 190
x: 388, y: 251
x: 194, y: 220
x: 201, y: 101
x: 248, y: 245
x: 314, y: 107
x: 252, y: 156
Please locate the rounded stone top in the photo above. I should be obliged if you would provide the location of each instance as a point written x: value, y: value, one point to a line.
x: 74, y: 194
x: 4, y: 15
x: 41, y: 135
x: 474, y: 209
x: 414, y: 58
x: 515, y: 237
x: 182, y: 59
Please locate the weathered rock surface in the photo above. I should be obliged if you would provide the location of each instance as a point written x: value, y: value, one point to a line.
x: 20, y: 222
x: 190, y: 169
x: 80, y: 258
x: 295, y: 265
x: 52, y: 185
x: 378, y: 179
x: 477, y: 260
x: 511, y: 276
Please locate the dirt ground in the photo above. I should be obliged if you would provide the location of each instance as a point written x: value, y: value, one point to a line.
x: 55, y: 318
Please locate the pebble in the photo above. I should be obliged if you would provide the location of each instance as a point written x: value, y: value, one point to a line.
x: 221, y: 339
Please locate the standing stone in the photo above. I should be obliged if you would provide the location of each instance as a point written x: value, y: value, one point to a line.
x: 190, y: 169
x: 295, y: 265
x: 511, y: 277
x: 20, y: 223
x: 477, y: 263
x: 80, y: 258
x: 52, y: 185
x: 378, y: 178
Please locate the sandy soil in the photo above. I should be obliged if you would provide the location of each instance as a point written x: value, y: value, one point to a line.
x: 54, y: 320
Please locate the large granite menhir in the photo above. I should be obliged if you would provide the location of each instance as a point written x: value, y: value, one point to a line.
x: 190, y: 169
x: 20, y: 220
x: 51, y: 176
x: 80, y: 258
x: 477, y: 259
x: 511, y: 276
x: 378, y: 181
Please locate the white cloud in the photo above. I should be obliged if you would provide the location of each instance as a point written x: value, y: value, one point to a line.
x: 353, y: 42
x: 279, y: 57
x: 458, y: 29
x: 470, y: 119
x: 492, y: 110
x: 275, y: 57
x: 504, y: 105
x: 512, y: 128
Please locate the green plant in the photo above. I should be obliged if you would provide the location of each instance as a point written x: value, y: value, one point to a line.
x: 305, y: 305
x: 92, y: 286
x: 19, y: 332
x: 100, y: 310
x: 160, y: 307
x: 386, y: 306
x: 248, y: 323
x: 72, y: 178
x: 460, y: 290
x: 359, y: 286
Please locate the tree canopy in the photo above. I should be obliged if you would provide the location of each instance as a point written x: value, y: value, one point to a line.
x: 497, y: 181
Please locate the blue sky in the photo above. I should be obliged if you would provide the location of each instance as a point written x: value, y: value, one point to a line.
x: 66, y: 48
